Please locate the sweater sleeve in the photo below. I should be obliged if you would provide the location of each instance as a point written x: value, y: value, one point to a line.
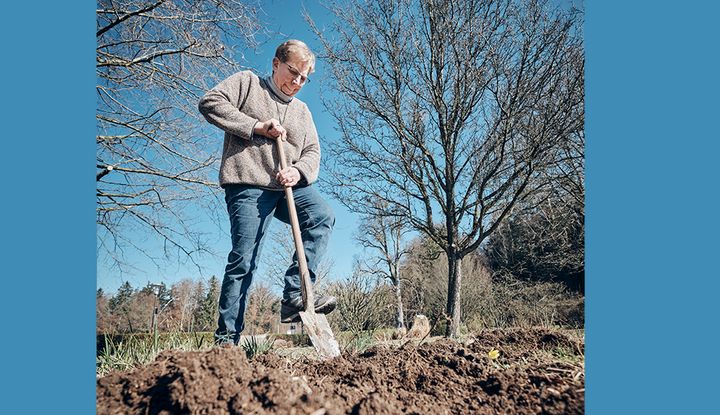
x: 309, y: 163
x: 220, y: 106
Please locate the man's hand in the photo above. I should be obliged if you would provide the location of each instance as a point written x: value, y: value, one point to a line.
x: 288, y: 177
x: 271, y: 129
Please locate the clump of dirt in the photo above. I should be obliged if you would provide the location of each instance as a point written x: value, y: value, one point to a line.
x: 538, y: 371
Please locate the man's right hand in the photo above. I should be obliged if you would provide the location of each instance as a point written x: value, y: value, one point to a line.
x: 271, y: 129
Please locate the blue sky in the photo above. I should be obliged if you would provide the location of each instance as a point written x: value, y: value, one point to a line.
x: 284, y: 21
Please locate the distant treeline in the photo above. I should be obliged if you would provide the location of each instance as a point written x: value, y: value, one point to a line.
x: 531, y: 272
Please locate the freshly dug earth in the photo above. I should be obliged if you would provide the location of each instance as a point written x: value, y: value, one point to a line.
x: 538, y: 371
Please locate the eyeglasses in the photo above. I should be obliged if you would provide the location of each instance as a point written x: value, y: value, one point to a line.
x: 295, y: 73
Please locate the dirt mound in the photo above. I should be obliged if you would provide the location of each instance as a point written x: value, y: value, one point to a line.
x: 532, y: 375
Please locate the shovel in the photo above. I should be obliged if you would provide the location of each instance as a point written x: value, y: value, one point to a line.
x: 316, y: 325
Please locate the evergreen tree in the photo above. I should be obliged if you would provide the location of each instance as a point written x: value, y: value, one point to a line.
x: 545, y: 244
x: 122, y: 297
x: 164, y: 295
x: 207, y: 310
x: 120, y: 304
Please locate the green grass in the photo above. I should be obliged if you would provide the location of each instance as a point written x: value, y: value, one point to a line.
x: 121, y: 353
x: 125, y: 352
x: 356, y: 342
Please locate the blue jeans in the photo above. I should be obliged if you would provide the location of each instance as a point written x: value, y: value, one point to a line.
x: 251, y: 209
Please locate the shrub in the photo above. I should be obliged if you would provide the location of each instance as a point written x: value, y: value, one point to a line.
x: 519, y: 303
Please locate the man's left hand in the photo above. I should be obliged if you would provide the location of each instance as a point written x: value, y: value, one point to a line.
x: 288, y: 177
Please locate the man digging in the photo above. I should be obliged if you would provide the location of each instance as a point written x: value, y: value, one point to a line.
x: 255, y: 112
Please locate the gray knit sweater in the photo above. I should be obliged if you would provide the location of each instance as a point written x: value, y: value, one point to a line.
x: 235, y: 105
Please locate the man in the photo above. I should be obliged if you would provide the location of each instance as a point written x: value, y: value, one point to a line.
x: 254, y: 113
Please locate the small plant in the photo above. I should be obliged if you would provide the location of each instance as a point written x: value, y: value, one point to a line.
x: 360, y: 342
x: 254, y: 347
x: 198, y: 340
x: 565, y: 354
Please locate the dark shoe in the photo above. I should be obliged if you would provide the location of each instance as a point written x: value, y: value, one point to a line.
x: 290, y: 309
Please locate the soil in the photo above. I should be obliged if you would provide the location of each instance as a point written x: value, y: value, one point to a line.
x: 538, y: 371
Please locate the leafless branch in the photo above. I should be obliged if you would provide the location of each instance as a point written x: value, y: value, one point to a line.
x: 154, y: 156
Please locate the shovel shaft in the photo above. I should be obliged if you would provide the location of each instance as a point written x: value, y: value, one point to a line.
x: 305, y: 283
x: 317, y: 326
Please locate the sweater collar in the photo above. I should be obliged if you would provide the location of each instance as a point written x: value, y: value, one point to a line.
x: 276, y: 91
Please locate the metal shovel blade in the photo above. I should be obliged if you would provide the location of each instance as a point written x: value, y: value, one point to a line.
x: 317, y: 327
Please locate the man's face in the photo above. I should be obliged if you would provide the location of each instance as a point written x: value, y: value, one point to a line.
x: 290, y: 76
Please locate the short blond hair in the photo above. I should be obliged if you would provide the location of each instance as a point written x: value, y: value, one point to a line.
x: 297, y: 49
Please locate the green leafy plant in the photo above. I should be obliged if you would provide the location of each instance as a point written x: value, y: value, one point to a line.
x: 359, y: 342
x: 254, y: 346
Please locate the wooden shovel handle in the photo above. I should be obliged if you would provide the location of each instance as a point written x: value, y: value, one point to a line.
x: 305, y: 283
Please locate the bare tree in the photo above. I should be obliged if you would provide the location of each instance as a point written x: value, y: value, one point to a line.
x: 105, y: 321
x: 185, y: 294
x: 543, y: 238
x: 450, y: 112
x: 263, y: 308
x: 383, y: 236
x: 569, y: 171
x: 154, y: 161
x: 425, y: 288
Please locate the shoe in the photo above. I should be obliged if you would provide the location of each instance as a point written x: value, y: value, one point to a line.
x: 290, y: 309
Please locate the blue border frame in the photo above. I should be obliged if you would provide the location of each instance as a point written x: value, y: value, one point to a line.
x: 652, y: 215
x: 48, y: 291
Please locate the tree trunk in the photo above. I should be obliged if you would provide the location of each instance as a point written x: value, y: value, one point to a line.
x: 453, y: 305
x: 400, y: 318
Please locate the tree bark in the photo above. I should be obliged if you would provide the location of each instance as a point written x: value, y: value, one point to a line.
x: 400, y: 318
x: 454, y: 286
